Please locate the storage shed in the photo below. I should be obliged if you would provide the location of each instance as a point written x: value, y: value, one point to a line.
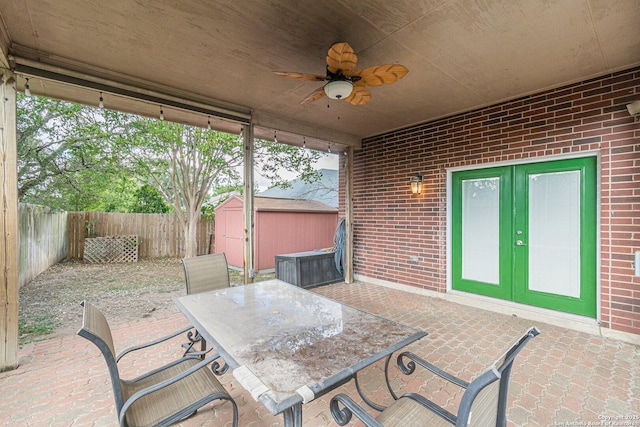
x: 282, y: 226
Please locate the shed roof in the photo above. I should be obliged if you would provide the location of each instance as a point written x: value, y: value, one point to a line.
x: 324, y: 190
x: 274, y: 204
x: 297, y: 205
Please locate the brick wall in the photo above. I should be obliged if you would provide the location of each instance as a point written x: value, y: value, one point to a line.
x: 391, y: 224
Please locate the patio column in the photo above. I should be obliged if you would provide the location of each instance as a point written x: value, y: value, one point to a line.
x: 9, y: 248
x: 247, y: 135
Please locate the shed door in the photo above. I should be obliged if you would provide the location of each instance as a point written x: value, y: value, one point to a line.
x: 234, y: 223
x: 527, y: 233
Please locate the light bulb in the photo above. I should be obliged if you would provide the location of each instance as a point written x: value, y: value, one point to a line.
x: 275, y: 136
x: 209, y: 123
x: 304, y: 142
x: 329, y: 148
x: 101, y: 103
x: 27, y: 91
x: 161, y: 113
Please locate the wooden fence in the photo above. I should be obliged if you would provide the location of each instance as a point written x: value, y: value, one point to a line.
x: 43, y: 240
x: 160, y: 235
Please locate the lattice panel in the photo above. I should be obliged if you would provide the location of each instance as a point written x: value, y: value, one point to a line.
x: 111, y: 249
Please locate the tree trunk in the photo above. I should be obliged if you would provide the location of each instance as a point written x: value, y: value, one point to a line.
x: 191, y: 234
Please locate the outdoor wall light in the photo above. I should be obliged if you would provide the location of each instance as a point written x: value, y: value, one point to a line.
x: 416, y: 184
x: 338, y: 89
x: 634, y: 108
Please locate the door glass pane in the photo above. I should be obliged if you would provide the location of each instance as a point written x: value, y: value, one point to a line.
x: 554, y: 233
x: 481, y: 230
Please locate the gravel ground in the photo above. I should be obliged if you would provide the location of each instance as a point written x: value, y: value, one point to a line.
x: 50, y: 304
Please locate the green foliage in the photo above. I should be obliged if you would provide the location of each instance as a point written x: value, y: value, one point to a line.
x: 65, y: 159
x: 73, y: 157
x: 272, y: 158
x: 148, y: 200
x: 117, y: 195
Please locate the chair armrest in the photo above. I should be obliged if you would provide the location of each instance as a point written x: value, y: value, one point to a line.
x: 146, y: 391
x: 343, y: 416
x: 410, y: 367
x: 152, y: 343
x: 216, y: 367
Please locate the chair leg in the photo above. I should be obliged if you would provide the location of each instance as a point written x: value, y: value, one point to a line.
x: 203, y: 345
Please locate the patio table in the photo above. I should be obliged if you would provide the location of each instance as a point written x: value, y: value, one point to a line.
x: 287, y: 345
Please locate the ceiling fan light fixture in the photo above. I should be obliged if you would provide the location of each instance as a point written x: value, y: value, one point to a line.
x: 338, y: 89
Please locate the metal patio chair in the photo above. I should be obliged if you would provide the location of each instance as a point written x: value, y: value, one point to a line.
x: 204, y: 273
x: 483, y: 403
x: 162, y: 396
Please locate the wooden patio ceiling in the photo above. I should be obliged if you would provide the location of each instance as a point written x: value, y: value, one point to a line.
x: 215, y: 58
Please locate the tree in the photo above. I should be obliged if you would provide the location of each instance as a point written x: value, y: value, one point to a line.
x: 74, y: 157
x: 184, y: 163
x: 64, y: 157
x: 148, y: 200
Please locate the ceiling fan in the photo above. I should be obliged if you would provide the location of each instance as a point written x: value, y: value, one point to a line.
x: 344, y: 81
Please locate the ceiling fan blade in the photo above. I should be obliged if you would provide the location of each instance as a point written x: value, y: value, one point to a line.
x: 301, y: 76
x: 341, y: 57
x: 379, y: 75
x: 359, y: 96
x: 314, y: 96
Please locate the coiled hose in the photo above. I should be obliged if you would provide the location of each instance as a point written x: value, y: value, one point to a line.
x: 338, y: 245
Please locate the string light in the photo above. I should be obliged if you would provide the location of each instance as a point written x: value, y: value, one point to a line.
x: 27, y: 91
x: 101, y: 102
x: 209, y: 122
x: 304, y: 142
x: 161, y: 113
x: 329, y: 148
x: 275, y: 136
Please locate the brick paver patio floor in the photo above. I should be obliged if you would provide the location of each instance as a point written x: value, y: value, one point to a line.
x: 562, y: 377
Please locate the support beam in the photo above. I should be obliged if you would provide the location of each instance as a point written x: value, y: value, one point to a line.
x: 249, y: 272
x: 8, y: 223
x: 348, y: 213
x: 4, y: 46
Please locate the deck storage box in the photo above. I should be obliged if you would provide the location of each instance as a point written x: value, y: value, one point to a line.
x: 307, y: 269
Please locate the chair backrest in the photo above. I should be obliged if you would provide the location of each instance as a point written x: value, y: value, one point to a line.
x: 206, y: 273
x: 484, y: 403
x: 96, y: 329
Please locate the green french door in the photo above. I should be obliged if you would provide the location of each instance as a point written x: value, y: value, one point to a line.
x: 527, y: 233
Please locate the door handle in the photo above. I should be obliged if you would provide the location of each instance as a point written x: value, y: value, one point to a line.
x: 520, y: 243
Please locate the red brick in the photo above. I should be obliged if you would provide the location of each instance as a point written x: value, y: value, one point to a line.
x: 581, y: 117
